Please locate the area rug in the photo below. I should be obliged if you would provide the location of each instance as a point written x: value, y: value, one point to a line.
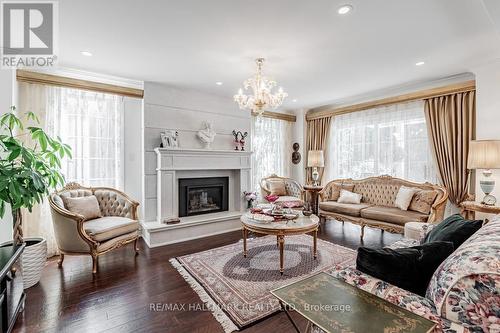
x: 236, y: 289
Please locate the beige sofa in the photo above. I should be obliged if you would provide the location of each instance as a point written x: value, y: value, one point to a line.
x: 75, y: 235
x: 377, y: 204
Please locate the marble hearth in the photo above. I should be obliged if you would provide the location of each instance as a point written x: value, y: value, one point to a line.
x: 173, y: 165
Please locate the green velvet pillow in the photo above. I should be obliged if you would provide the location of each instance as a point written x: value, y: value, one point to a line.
x: 453, y: 229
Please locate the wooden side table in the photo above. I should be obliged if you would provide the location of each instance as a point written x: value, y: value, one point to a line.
x: 313, y: 196
x: 468, y: 209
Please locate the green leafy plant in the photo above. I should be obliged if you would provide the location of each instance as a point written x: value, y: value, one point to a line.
x: 27, y: 171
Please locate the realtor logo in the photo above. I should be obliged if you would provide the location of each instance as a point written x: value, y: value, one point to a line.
x: 29, y: 31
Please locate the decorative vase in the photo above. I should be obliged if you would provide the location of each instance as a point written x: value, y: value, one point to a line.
x: 33, y: 260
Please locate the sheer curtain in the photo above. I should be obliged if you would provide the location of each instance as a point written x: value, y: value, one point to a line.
x: 388, y: 140
x: 91, y: 123
x: 272, y: 150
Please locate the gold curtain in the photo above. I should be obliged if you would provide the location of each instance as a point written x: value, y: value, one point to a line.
x: 451, y: 122
x: 317, y: 134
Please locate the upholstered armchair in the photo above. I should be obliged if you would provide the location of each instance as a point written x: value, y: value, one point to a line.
x: 291, y: 189
x: 117, y: 226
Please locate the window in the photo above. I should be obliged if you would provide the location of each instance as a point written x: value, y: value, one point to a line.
x: 271, y: 144
x: 390, y: 140
x: 90, y: 122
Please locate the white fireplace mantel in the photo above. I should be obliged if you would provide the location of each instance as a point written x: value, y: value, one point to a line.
x: 173, y: 164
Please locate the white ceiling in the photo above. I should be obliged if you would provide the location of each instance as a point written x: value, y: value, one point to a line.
x: 317, y: 55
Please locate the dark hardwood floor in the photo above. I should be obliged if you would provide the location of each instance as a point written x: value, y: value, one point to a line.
x: 119, y: 296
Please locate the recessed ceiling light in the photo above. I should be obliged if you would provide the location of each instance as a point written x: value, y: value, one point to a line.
x: 294, y: 100
x: 218, y: 83
x: 344, y: 9
x: 86, y: 53
x: 420, y: 63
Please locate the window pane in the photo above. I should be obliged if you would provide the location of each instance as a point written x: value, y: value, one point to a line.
x: 388, y: 140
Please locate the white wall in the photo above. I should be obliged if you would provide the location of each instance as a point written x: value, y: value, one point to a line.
x: 167, y: 107
x: 488, y: 114
x: 7, y: 87
x: 133, y: 154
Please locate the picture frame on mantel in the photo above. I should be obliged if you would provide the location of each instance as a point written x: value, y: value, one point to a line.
x: 170, y: 139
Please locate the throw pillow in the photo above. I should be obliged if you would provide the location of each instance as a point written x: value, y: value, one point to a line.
x: 335, y: 188
x: 86, y: 206
x: 453, y: 229
x: 404, y: 196
x: 408, y: 268
x: 349, y: 197
x: 422, y: 201
x: 277, y: 187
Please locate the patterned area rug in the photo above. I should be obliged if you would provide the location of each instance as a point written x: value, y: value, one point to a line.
x: 236, y: 289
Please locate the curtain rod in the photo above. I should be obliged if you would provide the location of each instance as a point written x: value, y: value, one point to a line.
x: 277, y: 115
x: 61, y: 81
x: 414, y: 96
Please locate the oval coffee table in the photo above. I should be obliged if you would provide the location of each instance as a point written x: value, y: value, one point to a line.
x: 301, y: 225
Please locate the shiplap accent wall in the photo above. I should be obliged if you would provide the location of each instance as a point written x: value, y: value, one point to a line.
x: 167, y: 107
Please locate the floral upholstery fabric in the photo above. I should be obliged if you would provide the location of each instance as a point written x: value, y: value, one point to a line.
x: 464, y: 292
x: 400, y: 297
x: 466, y: 287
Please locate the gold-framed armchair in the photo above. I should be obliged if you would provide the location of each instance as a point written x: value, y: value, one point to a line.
x: 293, y: 190
x: 117, y: 226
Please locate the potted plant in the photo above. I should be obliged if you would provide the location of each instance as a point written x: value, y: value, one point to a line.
x: 27, y: 172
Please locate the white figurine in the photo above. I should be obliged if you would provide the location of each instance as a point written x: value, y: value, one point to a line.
x: 207, y: 134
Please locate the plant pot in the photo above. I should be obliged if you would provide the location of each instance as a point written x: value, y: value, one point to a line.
x: 33, y: 260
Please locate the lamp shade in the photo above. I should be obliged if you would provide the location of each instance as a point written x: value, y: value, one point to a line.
x: 315, y: 159
x: 484, y: 154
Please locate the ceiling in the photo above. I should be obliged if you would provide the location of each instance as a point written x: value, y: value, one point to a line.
x: 317, y: 55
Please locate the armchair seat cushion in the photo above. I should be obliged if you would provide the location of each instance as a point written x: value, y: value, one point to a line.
x: 286, y: 198
x: 108, y: 227
x: 343, y: 208
x: 393, y: 215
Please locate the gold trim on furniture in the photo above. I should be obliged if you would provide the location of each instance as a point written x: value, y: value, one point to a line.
x: 328, y: 111
x: 79, y: 219
x: 277, y: 115
x: 436, y: 214
x: 61, y: 81
x: 267, y: 191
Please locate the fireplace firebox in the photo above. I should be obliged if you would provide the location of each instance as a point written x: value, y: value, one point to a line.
x: 203, y: 195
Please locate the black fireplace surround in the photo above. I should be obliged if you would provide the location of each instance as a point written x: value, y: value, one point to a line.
x: 203, y: 195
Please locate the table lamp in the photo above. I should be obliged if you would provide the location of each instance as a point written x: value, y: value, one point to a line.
x: 485, y: 154
x: 315, y: 160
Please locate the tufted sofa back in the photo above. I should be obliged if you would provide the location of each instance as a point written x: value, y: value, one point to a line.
x: 382, y: 190
x: 111, y: 202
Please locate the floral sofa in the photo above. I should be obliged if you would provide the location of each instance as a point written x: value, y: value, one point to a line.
x: 464, y: 292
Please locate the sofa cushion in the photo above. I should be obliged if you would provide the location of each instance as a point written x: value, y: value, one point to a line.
x: 333, y: 192
x: 453, y: 229
x: 422, y: 201
x: 86, y: 206
x: 297, y: 202
x: 408, y: 268
x: 277, y: 187
x: 108, y: 227
x: 404, y: 197
x: 349, y: 197
x: 393, y: 215
x: 343, y: 208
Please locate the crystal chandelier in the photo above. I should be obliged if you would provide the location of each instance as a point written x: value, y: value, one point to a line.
x: 263, y: 98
